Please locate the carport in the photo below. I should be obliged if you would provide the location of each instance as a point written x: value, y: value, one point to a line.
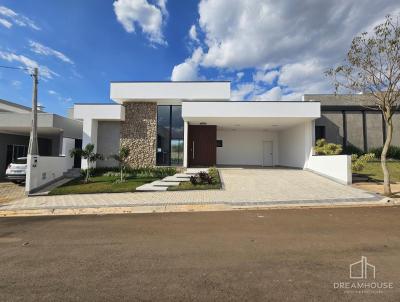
x: 248, y: 133
x: 54, y: 133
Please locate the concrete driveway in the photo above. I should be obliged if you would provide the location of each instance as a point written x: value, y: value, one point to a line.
x: 242, y: 187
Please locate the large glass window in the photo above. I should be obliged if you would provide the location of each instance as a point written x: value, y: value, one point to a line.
x: 169, y: 135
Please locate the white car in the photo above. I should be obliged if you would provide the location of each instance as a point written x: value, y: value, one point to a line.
x: 16, y: 171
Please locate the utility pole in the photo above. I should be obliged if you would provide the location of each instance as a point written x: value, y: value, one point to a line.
x: 33, y: 140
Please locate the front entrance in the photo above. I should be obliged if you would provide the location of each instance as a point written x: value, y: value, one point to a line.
x: 202, y: 145
x: 267, y: 154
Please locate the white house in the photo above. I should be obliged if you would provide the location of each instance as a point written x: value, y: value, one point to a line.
x: 196, y: 124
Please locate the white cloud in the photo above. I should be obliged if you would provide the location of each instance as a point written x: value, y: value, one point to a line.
x: 250, y: 33
x: 59, y: 97
x: 293, y: 42
x: 188, y: 70
x: 47, y: 51
x: 306, y: 76
x: 149, y: 17
x: 193, y: 33
x: 274, y: 94
x: 239, y: 75
x: 5, y: 23
x: 267, y: 77
x: 16, y: 19
x: 44, y: 71
x: 242, y: 92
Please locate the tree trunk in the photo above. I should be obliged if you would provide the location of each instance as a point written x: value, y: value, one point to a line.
x: 122, y: 168
x: 386, y: 176
x: 87, y: 171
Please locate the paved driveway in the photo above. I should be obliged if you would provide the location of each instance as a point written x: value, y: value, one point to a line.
x: 241, y: 187
x: 10, y: 191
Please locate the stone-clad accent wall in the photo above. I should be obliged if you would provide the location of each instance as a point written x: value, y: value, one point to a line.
x: 139, y: 133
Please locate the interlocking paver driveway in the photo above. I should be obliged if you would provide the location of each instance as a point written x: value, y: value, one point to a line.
x: 241, y: 186
x: 10, y: 191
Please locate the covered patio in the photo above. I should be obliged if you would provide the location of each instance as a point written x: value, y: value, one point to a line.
x: 248, y: 133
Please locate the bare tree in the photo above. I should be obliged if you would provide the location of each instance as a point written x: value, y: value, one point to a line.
x: 372, y: 67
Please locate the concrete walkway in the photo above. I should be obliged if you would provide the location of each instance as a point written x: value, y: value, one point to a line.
x: 242, y: 187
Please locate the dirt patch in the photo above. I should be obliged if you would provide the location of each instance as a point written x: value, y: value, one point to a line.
x: 376, y: 187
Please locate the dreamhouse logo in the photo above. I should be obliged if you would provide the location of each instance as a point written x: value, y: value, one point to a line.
x: 362, y: 269
x: 362, y: 277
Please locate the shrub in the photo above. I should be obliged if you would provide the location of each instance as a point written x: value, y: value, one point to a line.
x: 358, y: 162
x: 393, y: 152
x: 324, y: 148
x: 201, y: 178
x: 157, y: 172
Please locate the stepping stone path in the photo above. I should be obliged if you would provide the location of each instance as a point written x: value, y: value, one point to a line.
x: 169, y: 181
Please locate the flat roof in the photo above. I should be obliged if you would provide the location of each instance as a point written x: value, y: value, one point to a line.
x: 260, y: 115
x: 122, y: 92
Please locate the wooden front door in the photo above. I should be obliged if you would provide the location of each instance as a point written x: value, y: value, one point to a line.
x: 202, y: 145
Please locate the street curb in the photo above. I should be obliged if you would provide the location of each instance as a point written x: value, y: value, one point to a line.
x: 185, y: 208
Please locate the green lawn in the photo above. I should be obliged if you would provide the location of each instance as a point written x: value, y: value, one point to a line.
x: 374, y: 171
x: 101, y: 184
x: 187, y: 185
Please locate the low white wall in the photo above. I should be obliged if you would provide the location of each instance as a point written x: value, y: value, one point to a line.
x: 293, y: 147
x: 42, y: 170
x: 336, y: 167
x: 245, y: 147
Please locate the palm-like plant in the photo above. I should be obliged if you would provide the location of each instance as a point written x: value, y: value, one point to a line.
x: 88, y: 154
x: 121, y: 158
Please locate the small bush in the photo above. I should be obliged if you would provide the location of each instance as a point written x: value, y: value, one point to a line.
x: 393, y: 152
x: 322, y: 147
x: 358, y: 162
x: 201, y: 178
x: 158, y: 172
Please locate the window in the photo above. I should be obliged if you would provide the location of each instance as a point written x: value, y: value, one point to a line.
x: 219, y: 143
x: 169, y: 135
x: 319, y: 132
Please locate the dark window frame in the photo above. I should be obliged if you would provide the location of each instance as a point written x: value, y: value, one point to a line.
x: 171, y: 137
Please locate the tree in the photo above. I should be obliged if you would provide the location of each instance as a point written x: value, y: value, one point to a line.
x: 121, y: 158
x: 88, y: 154
x: 372, y: 67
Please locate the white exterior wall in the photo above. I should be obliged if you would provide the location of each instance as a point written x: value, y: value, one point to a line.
x: 245, y: 147
x: 295, y: 145
x: 91, y: 114
x: 293, y: 110
x: 42, y: 170
x: 145, y: 91
x: 67, y: 145
x: 336, y: 167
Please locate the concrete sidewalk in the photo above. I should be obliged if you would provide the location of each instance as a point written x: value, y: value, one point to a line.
x: 242, y: 188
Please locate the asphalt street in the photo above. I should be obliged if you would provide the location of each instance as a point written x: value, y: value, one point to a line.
x: 270, y: 255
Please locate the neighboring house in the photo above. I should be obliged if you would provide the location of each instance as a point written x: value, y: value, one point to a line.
x: 197, y: 124
x: 345, y: 121
x: 56, y: 134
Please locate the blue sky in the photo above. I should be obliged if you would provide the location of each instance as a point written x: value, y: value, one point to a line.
x: 270, y: 50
